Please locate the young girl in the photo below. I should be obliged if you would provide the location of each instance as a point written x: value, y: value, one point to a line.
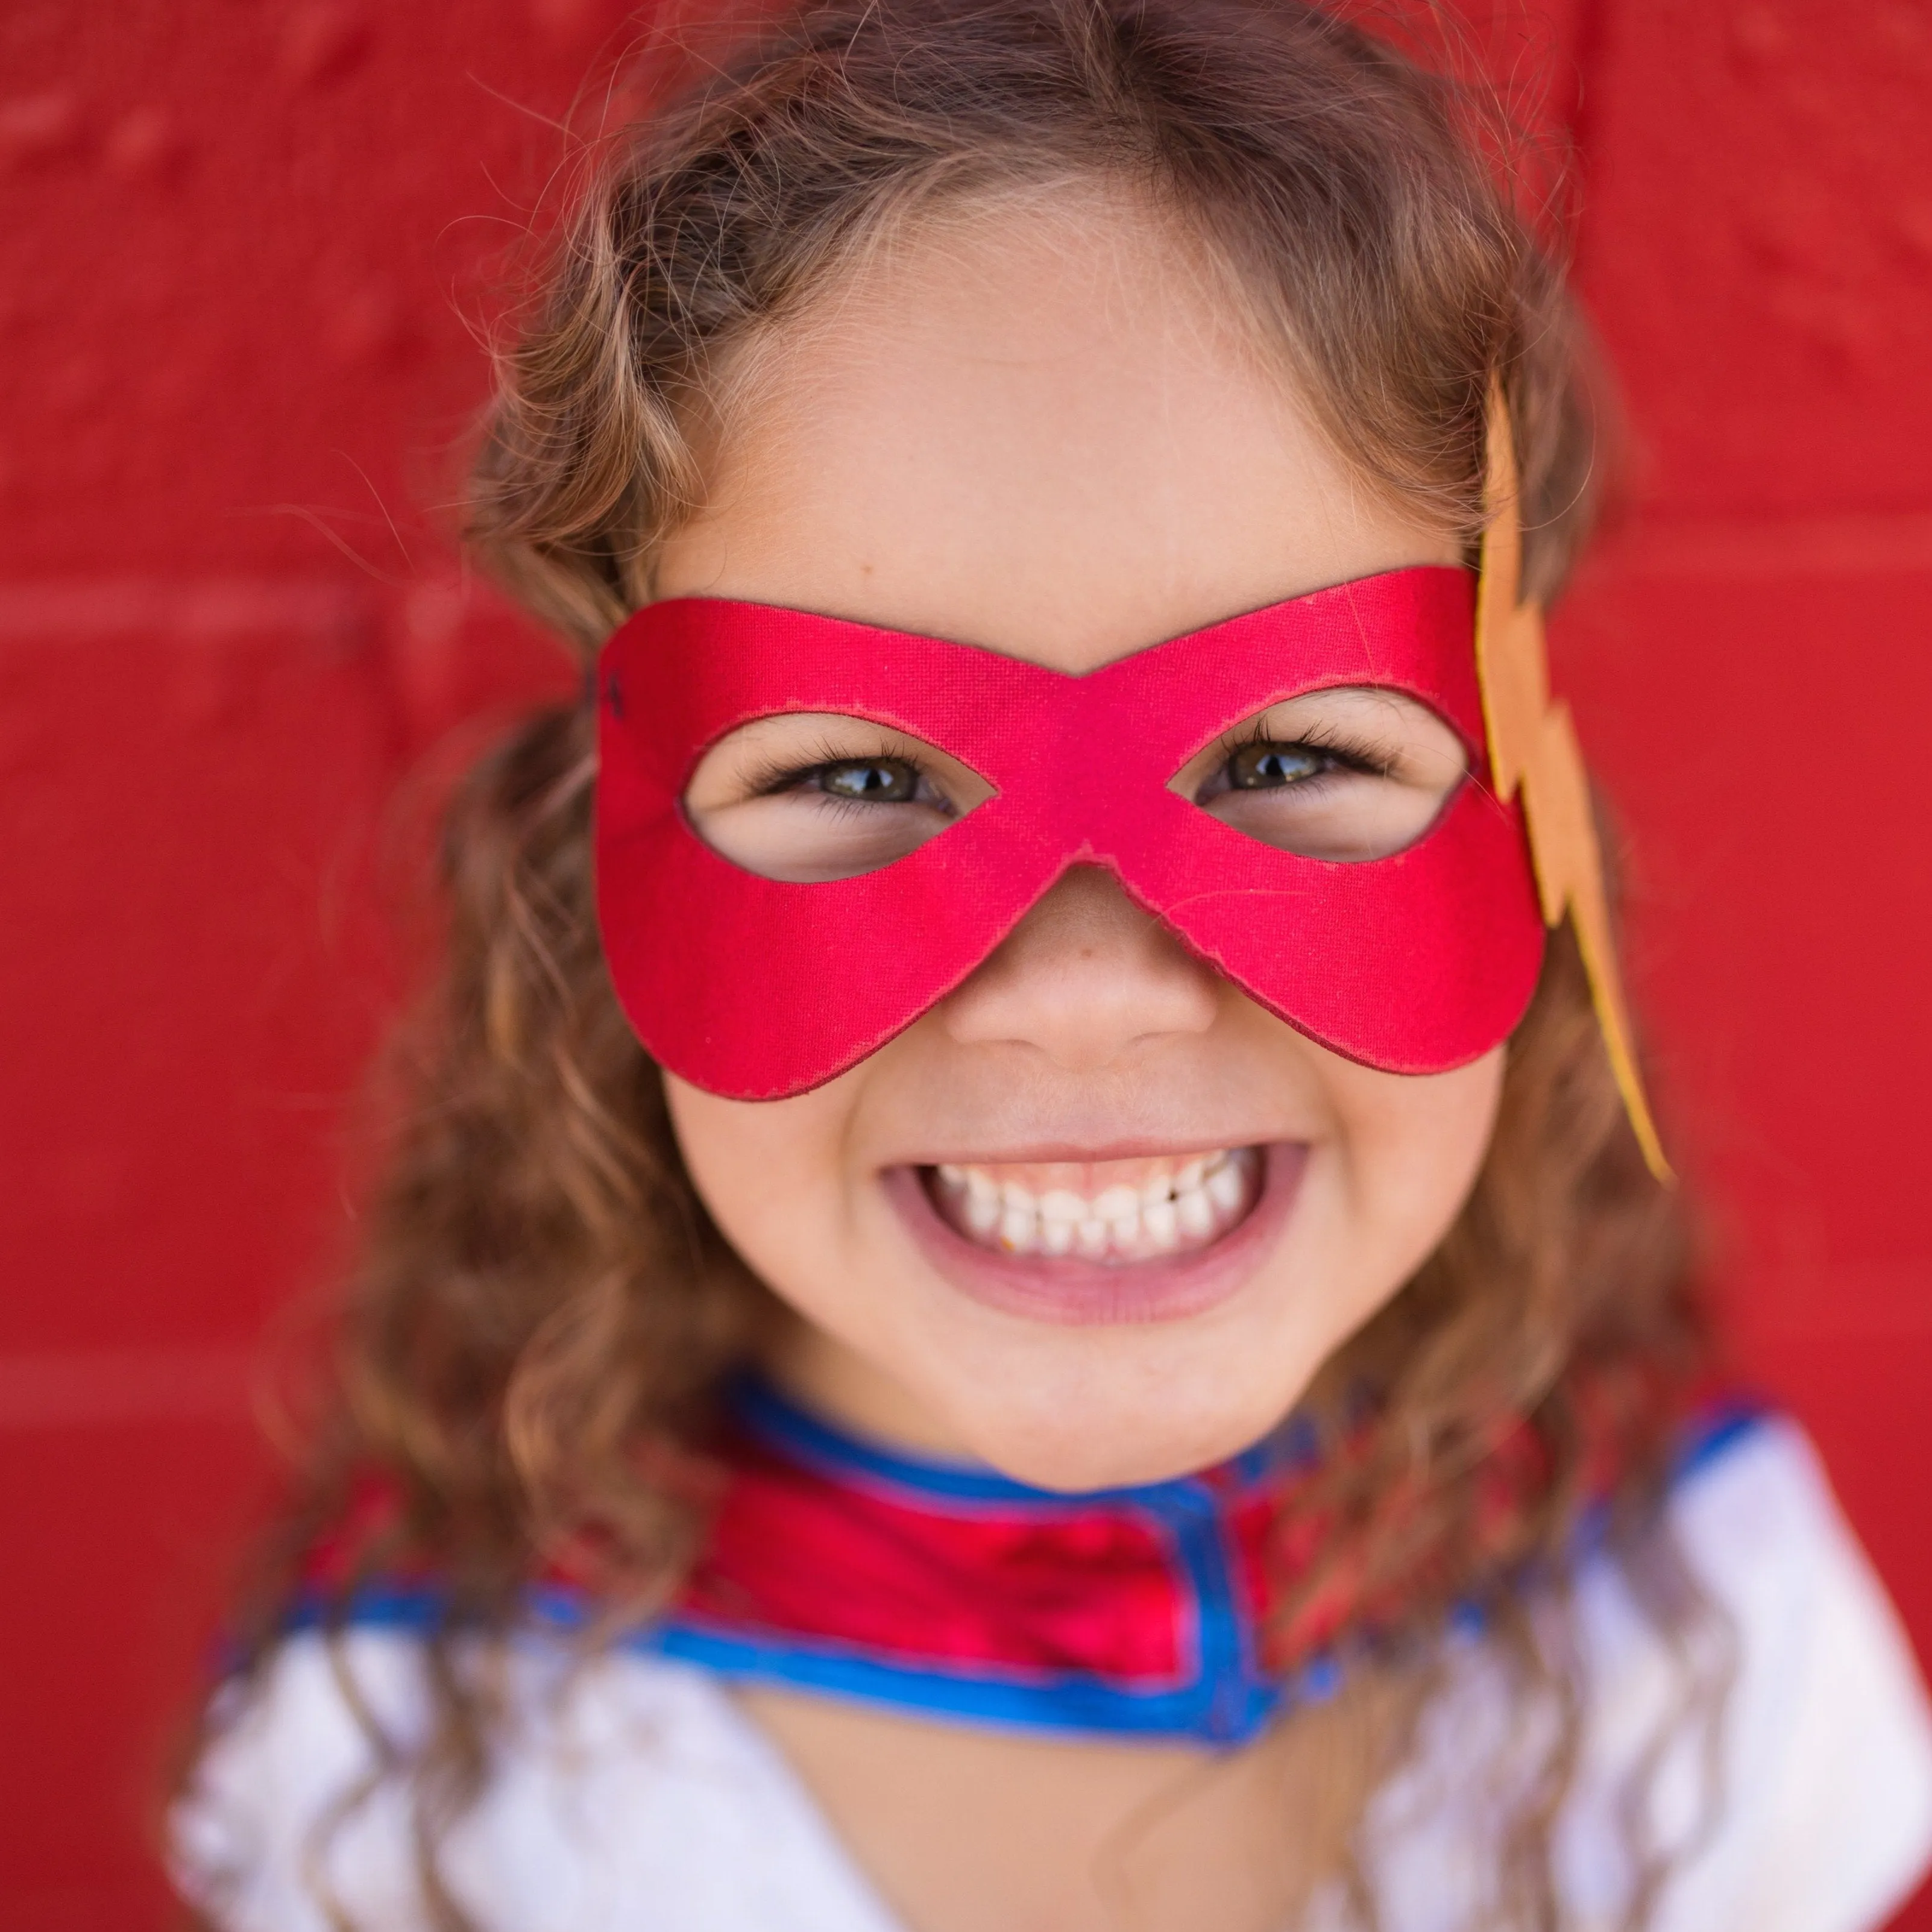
x: 1025, y: 1294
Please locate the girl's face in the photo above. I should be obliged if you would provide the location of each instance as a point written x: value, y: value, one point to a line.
x: 1097, y: 1218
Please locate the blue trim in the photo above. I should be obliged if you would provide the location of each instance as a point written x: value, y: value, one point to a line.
x: 928, y: 1482
x: 1234, y: 1700
x: 1067, y: 1700
x: 422, y: 1608
x: 1714, y: 1432
x: 1009, y: 1696
x: 417, y: 1608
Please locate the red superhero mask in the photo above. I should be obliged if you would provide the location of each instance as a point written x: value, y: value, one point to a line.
x: 1415, y: 960
x: 756, y: 987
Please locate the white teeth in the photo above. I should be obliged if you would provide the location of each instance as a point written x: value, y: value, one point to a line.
x: 1162, y: 1221
x: 1224, y: 1187
x: 1196, y: 1213
x: 1185, y: 1207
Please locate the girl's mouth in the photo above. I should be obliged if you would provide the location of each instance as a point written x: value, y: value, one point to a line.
x: 1117, y: 1211
x: 1154, y: 1238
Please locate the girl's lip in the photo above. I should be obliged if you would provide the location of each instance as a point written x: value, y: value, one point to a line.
x: 1077, y: 1293
x: 1030, y: 1154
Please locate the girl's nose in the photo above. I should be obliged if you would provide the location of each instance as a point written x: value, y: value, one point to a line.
x: 1084, y: 977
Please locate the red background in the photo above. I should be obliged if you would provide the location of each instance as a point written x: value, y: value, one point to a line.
x: 246, y: 244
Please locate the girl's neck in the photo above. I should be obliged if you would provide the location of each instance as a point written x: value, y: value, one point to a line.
x: 840, y: 1384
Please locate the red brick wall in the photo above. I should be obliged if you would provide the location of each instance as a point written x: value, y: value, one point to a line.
x: 243, y: 243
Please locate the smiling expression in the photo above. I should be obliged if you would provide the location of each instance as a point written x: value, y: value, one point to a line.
x: 1096, y: 1216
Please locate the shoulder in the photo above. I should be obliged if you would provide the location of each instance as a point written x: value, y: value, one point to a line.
x: 623, y: 1790
x: 1780, y: 1738
x: 1824, y: 1815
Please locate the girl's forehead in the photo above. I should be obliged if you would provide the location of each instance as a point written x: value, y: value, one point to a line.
x: 1045, y: 428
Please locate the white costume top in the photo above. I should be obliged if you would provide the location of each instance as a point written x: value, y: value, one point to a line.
x: 631, y: 1794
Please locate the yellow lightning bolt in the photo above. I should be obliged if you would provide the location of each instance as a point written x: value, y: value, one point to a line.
x: 1533, y: 744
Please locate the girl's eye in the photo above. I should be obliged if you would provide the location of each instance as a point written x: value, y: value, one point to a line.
x: 1264, y: 765
x: 873, y: 780
x: 817, y: 795
x: 1345, y: 775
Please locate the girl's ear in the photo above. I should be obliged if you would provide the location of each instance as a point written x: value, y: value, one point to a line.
x: 1533, y: 744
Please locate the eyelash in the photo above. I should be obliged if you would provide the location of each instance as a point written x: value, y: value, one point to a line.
x: 1354, y: 754
x: 765, y: 780
x: 773, y: 780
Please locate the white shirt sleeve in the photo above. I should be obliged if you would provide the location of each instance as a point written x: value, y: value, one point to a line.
x: 1825, y: 1822
x: 1823, y: 1814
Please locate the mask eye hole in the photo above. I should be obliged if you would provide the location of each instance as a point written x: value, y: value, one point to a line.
x: 1347, y: 776
x: 810, y: 795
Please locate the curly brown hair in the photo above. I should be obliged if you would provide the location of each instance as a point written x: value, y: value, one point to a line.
x: 543, y: 1310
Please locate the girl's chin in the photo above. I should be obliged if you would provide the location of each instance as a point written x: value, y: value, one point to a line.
x: 1135, y: 1281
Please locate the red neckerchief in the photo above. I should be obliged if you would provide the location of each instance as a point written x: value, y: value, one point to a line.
x: 837, y: 1565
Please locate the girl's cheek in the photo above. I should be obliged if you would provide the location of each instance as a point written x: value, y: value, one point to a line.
x: 1412, y: 1146
x: 764, y: 1167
